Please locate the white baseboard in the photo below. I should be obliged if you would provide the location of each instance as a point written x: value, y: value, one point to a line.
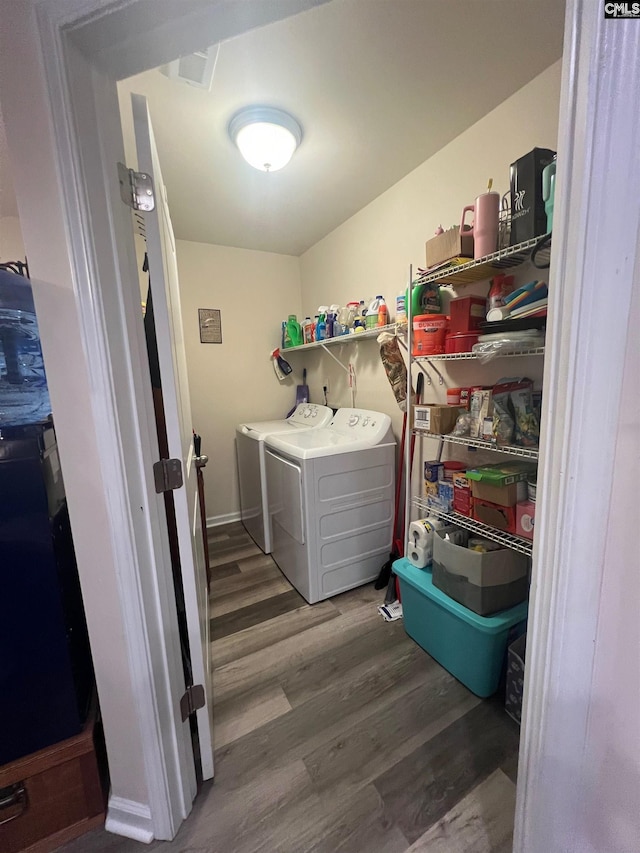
x: 226, y: 518
x: 130, y: 819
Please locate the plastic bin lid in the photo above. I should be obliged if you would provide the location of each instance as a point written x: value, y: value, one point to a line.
x: 421, y: 580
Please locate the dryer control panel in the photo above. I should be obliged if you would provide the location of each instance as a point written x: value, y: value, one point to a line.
x: 362, y: 424
x: 310, y: 414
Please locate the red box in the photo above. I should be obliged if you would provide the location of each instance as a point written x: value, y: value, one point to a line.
x: 525, y: 518
x: 462, y: 500
x: 466, y: 313
x: 502, y: 517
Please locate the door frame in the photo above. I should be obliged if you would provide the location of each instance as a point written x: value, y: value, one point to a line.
x: 598, y: 69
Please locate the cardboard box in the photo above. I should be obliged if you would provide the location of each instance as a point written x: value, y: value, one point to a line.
x: 438, y: 420
x: 430, y: 488
x: 525, y: 518
x: 462, y: 500
x: 432, y: 471
x: 502, y: 517
x: 444, y: 247
x: 502, y: 495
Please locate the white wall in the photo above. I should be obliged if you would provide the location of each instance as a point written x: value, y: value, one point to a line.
x: 11, y: 242
x: 371, y: 252
x: 234, y: 381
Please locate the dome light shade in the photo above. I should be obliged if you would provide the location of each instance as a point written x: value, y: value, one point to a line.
x: 266, y: 137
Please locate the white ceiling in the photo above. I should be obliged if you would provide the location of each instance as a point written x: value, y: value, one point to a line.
x: 378, y: 87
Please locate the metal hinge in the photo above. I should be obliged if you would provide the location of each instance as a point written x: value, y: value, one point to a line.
x: 167, y: 475
x: 136, y: 189
x: 191, y: 701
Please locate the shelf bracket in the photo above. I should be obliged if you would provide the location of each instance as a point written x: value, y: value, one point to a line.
x: 438, y: 374
x: 337, y: 360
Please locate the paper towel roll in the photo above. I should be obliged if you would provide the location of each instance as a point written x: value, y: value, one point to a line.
x: 419, y: 556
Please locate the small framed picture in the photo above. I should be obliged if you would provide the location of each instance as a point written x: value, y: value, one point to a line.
x: 210, y: 325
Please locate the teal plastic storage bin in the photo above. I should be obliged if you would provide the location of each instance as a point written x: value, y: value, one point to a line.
x: 469, y: 646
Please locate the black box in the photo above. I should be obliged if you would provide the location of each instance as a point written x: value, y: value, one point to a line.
x: 528, y: 216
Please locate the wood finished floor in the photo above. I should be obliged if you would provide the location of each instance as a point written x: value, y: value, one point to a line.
x: 334, y: 731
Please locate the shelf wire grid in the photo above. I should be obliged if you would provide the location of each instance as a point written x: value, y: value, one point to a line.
x: 468, y: 356
x: 477, y: 270
x: 482, y: 444
x: 515, y: 543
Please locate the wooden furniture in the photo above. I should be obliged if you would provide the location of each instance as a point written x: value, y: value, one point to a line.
x: 51, y: 796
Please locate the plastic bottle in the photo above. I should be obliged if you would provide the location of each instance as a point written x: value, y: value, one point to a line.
x: 294, y: 331
x: 330, y: 322
x: 372, y: 313
x: 401, y: 308
x: 321, y: 328
x: 307, y: 330
x: 24, y: 398
x: 425, y: 299
x: 383, y: 313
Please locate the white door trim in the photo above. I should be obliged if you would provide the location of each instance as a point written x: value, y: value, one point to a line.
x: 123, y: 409
x: 595, y: 249
x: 83, y: 45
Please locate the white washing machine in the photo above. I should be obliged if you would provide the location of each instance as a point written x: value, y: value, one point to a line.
x: 331, y: 496
x: 251, y: 464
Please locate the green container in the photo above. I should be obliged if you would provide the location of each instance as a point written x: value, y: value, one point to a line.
x: 294, y: 331
x: 502, y: 474
x: 425, y: 299
x: 471, y: 647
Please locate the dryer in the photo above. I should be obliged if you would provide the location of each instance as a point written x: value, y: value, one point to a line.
x: 251, y: 465
x: 331, y: 495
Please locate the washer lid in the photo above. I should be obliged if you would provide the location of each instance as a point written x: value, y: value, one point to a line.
x: 312, y: 444
x: 306, y: 416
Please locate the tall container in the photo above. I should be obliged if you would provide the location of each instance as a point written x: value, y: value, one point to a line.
x: 24, y: 398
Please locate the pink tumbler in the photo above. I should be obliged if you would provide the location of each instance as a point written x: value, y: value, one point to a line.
x: 484, y: 230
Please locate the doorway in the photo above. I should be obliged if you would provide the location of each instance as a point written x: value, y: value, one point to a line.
x: 586, y: 49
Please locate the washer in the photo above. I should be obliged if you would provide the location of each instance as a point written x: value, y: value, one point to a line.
x: 331, y: 493
x: 251, y: 471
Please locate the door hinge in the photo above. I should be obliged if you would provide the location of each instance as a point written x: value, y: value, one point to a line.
x: 191, y: 700
x: 136, y: 189
x: 167, y: 475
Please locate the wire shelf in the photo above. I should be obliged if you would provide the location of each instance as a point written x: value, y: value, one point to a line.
x: 343, y: 339
x: 472, y: 356
x: 483, y: 444
x: 483, y: 268
x: 515, y: 543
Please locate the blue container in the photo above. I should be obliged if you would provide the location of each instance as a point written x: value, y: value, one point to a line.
x: 469, y: 646
x: 24, y: 398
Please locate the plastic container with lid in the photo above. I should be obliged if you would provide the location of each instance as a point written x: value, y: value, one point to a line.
x: 453, y: 396
x: 460, y: 342
x: 24, y: 398
x: 466, y: 313
x: 452, y: 467
x: 429, y: 331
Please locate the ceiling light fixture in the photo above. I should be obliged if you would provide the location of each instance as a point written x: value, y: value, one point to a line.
x: 265, y: 136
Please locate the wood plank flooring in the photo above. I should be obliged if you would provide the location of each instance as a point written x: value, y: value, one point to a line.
x: 334, y: 731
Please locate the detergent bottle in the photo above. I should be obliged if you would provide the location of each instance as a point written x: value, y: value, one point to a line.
x: 294, y: 331
x: 383, y: 313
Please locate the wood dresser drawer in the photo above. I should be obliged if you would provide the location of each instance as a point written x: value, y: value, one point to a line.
x: 51, y: 796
